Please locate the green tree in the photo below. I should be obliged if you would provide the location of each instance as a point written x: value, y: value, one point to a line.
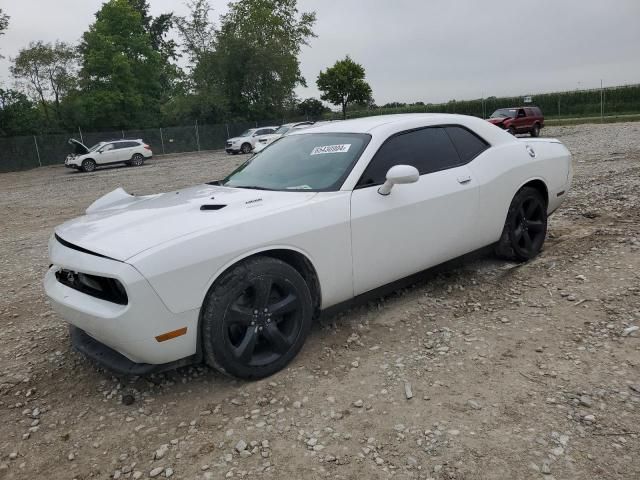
x: 343, y: 84
x: 201, y: 96
x: 4, y: 23
x: 312, y: 107
x: 121, y: 75
x: 18, y: 115
x: 47, y: 72
x: 159, y: 29
x: 197, y: 31
x: 256, y: 57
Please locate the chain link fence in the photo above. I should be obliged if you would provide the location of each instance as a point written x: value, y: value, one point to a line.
x: 22, y: 153
x: 599, y: 102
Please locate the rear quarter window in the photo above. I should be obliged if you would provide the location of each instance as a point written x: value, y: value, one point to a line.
x: 468, y: 144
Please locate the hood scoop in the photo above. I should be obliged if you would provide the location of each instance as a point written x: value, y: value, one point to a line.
x: 211, y: 207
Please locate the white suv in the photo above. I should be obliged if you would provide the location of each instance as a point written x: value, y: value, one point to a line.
x: 246, y: 141
x: 126, y: 151
x: 280, y: 132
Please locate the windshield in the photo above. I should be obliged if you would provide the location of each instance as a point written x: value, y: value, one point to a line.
x: 247, y: 133
x: 282, y: 130
x: 95, y: 147
x: 314, y: 161
x: 504, y: 113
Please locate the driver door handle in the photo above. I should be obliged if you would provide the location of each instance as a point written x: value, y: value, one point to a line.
x: 462, y: 179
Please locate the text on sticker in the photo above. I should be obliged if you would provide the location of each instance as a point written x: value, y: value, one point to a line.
x: 343, y: 148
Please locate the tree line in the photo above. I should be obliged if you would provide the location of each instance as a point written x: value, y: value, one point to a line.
x: 125, y: 71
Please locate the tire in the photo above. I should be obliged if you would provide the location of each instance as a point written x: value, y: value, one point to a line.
x: 535, y: 131
x: 512, y: 131
x: 88, y: 165
x: 525, y: 228
x: 246, y: 148
x: 255, y: 318
x: 137, y: 160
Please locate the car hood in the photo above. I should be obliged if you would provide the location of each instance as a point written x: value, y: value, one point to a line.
x: 496, y: 121
x: 79, y: 148
x: 235, y: 139
x: 119, y: 225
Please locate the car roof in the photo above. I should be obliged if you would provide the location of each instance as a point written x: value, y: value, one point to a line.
x: 385, y: 125
x: 368, y: 124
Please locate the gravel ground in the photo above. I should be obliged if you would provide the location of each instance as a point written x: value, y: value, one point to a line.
x: 514, y: 371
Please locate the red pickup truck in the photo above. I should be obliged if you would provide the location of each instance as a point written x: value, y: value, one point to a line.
x: 519, y: 120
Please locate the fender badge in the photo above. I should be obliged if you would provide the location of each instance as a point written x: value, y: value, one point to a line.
x: 531, y: 151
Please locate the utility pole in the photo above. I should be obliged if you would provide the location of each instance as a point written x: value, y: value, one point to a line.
x: 601, y: 103
x: 37, y: 150
x: 197, y: 136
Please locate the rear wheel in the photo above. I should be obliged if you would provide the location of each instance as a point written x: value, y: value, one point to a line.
x: 535, y: 131
x: 526, y: 226
x: 246, y: 148
x: 137, y: 160
x: 88, y: 165
x: 256, y: 318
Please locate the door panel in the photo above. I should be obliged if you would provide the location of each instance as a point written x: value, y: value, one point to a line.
x: 108, y: 155
x: 417, y: 226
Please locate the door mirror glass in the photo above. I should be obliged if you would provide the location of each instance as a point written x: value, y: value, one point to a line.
x: 399, y: 174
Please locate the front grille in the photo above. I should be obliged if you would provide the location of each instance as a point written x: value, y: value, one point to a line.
x: 104, y: 288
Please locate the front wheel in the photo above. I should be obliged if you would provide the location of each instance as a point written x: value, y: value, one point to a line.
x: 88, y: 165
x: 511, y: 130
x: 256, y: 318
x: 526, y: 226
x: 246, y: 148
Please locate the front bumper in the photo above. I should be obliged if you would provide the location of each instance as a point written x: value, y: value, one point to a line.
x: 114, y: 361
x: 131, y: 329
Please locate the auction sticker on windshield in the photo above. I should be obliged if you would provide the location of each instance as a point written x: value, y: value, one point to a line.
x: 342, y: 148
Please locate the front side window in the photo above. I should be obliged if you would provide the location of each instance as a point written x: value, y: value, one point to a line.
x: 107, y: 147
x: 314, y: 161
x: 428, y: 149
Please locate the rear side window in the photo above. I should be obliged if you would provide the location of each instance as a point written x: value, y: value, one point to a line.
x: 126, y: 144
x: 428, y: 149
x: 468, y: 144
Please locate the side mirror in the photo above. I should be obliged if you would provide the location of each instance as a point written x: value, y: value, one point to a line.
x: 399, y: 174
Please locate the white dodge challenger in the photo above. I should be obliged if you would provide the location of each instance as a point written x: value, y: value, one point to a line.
x: 233, y: 272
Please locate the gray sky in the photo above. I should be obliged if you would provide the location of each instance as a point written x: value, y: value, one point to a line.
x: 419, y: 50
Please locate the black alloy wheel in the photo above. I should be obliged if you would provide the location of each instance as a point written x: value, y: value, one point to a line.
x: 256, y: 318
x: 526, y: 226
